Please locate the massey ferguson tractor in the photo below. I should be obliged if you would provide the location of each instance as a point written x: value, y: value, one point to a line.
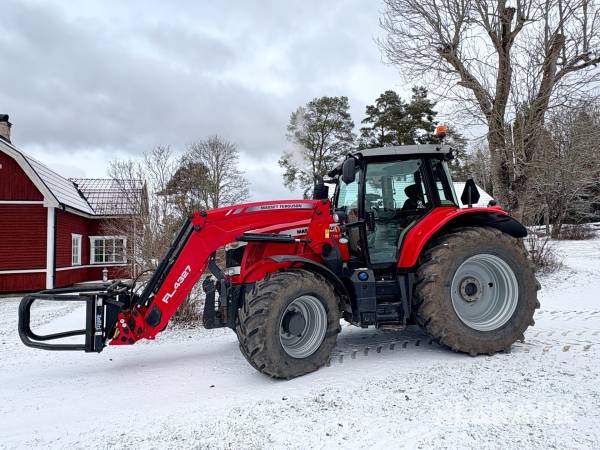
x: 391, y: 248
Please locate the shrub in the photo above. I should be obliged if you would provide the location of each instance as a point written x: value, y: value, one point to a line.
x: 542, y: 254
x: 577, y: 232
x: 190, y: 311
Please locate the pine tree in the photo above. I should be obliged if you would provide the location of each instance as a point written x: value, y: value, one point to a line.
x: 391, y: 121
x: 461, y: 166
x: 421, y: 117
x: 384, y: 118
x: 322, y: 134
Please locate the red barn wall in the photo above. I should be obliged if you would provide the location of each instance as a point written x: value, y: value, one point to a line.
x: 67, y: 224
x: 22, y: 229
x: 22, y: 237
x: 22, y: 282
x: 14, y: 183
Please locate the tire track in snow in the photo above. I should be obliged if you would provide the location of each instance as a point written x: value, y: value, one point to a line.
x: 568, y: 314
x: 541, y: 341
x: 353, y: 352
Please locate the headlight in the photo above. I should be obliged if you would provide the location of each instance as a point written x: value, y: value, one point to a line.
x: 234, y: 252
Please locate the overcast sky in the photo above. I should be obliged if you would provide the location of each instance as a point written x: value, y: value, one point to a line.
x: 87, y: 82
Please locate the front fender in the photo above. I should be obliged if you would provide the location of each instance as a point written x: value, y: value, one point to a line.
x: 443, y: 218
x: 316, y: 267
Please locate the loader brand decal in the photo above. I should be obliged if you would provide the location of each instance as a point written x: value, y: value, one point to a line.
x: 295, y: 231
x: 280, y: 206
x: 169, y: 295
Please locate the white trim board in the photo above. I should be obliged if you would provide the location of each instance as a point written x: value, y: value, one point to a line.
x: 58, y: 269
x: 50, y: 246
x: 18, y: 271
x: 21, y: 202
x: 87, y: 266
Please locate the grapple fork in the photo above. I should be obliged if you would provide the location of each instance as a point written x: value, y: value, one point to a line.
x: 102, y: 302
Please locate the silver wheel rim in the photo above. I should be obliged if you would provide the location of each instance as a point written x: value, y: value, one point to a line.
x: 303, y: 326
x: 484, y: 292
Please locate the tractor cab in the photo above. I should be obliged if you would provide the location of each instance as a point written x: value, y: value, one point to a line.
x: 382, y: 192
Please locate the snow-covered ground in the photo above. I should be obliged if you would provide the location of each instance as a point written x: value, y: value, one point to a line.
x: 193, y: 389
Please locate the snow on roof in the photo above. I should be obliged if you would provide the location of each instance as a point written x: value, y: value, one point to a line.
x: 484, y: 198
x: 64, y: 190
x: 112, y: 197
x: 100, y: 196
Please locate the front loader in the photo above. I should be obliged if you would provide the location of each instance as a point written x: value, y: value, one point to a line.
x: 393, y: 247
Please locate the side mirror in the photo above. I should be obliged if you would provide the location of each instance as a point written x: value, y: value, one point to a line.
x: 470, y: 193
x: 349, y: 170
x: 320, y: 192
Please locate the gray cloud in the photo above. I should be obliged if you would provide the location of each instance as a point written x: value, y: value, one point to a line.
x: 91, y: 81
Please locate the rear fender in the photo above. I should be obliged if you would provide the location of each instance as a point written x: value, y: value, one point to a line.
x: 441, y: 219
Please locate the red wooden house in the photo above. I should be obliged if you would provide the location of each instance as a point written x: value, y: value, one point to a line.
x: 53, y: 231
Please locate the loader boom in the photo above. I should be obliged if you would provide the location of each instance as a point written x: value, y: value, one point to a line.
x: 187, y: 259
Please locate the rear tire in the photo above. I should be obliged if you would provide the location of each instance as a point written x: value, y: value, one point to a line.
x: 476, y: 291
x: 288, y: 324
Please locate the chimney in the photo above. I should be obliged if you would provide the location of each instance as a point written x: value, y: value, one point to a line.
x: 5, y: 127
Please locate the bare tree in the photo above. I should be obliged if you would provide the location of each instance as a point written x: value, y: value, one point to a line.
x: 152, y: 222
x: 187, y: 189
x: 217, y: 172
x: 478, y: 165
x: 505, y: 65
x: 565, y: 185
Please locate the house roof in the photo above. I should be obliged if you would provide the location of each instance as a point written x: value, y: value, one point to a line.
x: 63, y: 190
x: 111, y: 197
x: 59, y: 191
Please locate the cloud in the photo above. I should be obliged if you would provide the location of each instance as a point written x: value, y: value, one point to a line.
x: 113, y: 79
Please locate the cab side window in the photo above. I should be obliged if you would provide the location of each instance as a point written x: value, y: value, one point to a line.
x: 348, y: 195
x: 395, y: 186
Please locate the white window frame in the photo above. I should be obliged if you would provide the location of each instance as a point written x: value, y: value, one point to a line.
x: 93, y: 240
x: 76, y: 238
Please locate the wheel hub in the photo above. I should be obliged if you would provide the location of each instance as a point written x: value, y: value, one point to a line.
x: 293, y: 323
x: 303, y: 326
x: 470, y: 289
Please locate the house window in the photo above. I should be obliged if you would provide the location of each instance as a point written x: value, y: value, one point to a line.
x: 75, y: 249
x: 107, y: 249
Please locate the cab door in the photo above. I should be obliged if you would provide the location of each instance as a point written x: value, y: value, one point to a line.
x: 396, y: 196
x: 348, y: 200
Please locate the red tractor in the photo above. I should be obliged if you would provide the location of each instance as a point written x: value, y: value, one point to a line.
x: 392, y: 247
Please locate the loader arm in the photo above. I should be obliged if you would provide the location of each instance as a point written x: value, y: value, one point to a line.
x: 116, y: 316
x: 187, y: 259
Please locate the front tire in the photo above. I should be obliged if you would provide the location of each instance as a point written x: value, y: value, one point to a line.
x: 476, y: 291
x: 288, y: 324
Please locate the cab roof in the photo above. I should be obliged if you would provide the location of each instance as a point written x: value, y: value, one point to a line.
x: 397, y: 150
x: 405, y: 150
